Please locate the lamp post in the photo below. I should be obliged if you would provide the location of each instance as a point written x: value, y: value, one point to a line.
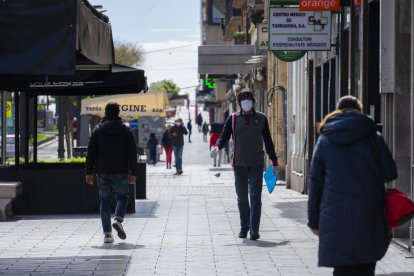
x: 61, y: 147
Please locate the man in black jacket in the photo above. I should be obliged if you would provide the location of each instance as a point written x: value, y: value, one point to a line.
x: 177, y: 135
x: 112, y: 155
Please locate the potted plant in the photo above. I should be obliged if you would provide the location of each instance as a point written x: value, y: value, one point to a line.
x: 239, y: 37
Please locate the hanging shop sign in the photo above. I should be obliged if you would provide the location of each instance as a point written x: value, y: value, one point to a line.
x: 289, y: 56
x: 294, y: 30
x: 319, y: 5
x: 357, y: 2
x: 262, y: 36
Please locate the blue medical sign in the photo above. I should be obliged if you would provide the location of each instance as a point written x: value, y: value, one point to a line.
x: 134, y: 124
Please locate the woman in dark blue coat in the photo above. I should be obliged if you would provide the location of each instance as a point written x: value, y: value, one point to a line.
x: 346, y: 191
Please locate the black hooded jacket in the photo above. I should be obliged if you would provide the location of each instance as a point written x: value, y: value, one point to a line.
x: 346, y: 191
x: 111, y: 149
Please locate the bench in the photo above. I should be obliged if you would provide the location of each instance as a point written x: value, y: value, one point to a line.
x: 8, y: 192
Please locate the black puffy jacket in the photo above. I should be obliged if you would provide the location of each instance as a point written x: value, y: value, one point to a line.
x: 346, y: 191
x: 111, y: 149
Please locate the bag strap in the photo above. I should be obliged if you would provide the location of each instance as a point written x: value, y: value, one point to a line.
x: 233, y: 125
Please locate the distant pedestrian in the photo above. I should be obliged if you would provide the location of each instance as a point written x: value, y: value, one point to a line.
x: 213, y: 140
x: 346, y: 191
x: 112, y: 155
x: 205, y: 131
x: 177, y: 134
x: 74, y: 127
x: 152, y: 147
x: 249, y: 130
x: 189, y: 128
x: 167, y: 145
x: 199, y: 121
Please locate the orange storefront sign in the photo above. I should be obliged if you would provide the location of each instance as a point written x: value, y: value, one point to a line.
x: 319, y: 5
x: 357, y: 2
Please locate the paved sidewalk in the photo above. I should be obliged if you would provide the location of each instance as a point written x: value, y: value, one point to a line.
x: 187, y: 226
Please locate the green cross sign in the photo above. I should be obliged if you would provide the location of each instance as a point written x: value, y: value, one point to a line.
x: 210, y: 83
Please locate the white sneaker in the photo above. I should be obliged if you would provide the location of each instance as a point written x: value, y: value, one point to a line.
x: 118, y: 227
x: 108, y: 239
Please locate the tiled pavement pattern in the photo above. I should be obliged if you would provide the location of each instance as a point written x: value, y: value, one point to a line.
x: 187, y: 226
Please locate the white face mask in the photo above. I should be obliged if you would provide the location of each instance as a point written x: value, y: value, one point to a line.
x: 246, y: 105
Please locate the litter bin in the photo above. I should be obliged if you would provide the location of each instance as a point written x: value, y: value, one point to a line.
x: 141, y: 184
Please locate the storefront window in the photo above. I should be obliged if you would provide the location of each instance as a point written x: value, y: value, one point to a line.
x: 347, y: 17
x: 7, y: 127
x: 357, y: 54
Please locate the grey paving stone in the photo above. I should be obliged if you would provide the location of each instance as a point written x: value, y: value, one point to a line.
x: 187, y: 226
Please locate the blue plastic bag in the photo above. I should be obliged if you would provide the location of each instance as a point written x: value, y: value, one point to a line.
x: 270, y: 179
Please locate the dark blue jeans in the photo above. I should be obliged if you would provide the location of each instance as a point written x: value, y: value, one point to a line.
x: 153, y: 156
x: 108, y: 184
x: 249, y: 181
x: 178, y: 155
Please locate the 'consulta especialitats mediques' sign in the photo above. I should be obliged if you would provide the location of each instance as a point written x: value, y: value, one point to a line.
x: 294, y: 30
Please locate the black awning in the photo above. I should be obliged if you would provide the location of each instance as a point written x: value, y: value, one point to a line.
x: 119, y: 80
x: 46, y: 37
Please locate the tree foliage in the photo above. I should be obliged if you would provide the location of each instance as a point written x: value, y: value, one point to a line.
x: 167, y: 85
x: 128, y: 54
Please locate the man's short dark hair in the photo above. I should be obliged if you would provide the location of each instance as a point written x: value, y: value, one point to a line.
x: 112, y: 109
x: 246, y: 95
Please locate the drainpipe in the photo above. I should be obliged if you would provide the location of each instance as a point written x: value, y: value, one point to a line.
x: 410, y: 247
x: 3, y: 127
x: 270, y: 95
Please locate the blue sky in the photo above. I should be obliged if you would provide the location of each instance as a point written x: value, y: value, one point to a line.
x: 168, y: 31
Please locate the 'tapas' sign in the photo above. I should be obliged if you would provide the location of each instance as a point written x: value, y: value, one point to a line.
x: 319, y: 5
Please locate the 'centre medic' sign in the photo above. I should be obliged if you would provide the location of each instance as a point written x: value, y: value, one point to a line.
x: 294, y: 30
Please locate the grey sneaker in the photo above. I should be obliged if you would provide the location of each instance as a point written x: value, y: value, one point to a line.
x: 108, y: 239
x: 118, y: 227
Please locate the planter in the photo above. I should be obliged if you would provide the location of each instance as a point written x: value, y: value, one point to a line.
x: 56, y: 188
x: 239, y: 38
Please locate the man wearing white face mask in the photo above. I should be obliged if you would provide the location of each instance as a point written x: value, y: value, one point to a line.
x: 249, y: 130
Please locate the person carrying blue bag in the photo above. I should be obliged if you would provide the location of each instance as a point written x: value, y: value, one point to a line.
x: 249, y: 129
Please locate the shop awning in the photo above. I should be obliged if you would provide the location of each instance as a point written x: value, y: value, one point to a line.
x: 222, y: 60
x: 72, y: 56
x: 152, y: 103
x: 48, y: 37
x: 117, y: 79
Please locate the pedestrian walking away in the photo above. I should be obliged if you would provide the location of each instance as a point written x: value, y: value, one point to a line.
x: 112, y: 156
x: 152, y: 147
x: 249, y: 130
x: 213, y: 140
x: 346, y: 191
x: 167, y: 144
x: 205, y: 130
x: 177, y: 134
x: 189, y: 128
x: 199, y: 121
